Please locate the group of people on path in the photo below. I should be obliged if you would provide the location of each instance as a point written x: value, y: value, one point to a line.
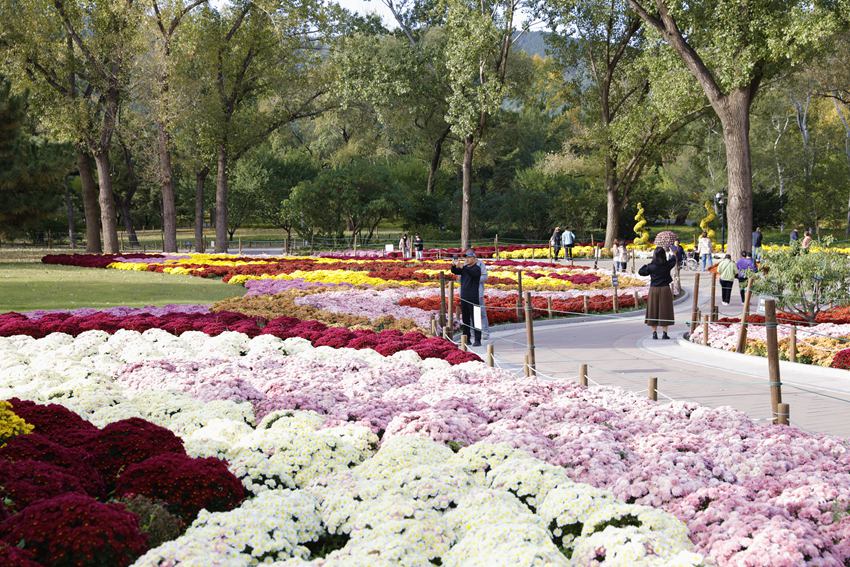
x: 473, y: 274
x: 409, y: 245
x: 565, y: 239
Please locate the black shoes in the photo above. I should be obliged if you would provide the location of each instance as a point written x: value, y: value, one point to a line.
x: 476, y: 343
x: 654, y: 335
x: 665, y: 336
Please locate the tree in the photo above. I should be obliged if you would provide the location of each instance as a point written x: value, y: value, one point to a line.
x: 479, y: 40
x: 732, y: 47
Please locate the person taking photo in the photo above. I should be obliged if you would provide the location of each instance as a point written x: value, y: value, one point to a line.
x: 470, y: 279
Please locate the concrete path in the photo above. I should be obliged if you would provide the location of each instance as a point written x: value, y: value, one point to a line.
x: 620, y: 352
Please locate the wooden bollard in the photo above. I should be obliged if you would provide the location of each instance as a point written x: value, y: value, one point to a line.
x: 652, y: 391
x: 446, y: 333
x: 585, y: 304
x: 715, y: 315
x: 713, y: 302
x: 705, y: 319
x: 615, y: 301
x: 549, y: 306
x: 491, y: 360
x: 695, y: 305
x: 496, y: 247
x: 742, y: 333
x: 433, y: 326
x: 772, y: 357
x: 634, y: 260
x: 527, y: 366
x: 529, y: 335
x: 637, y: 298
x: 451, y: 307
x: 464, y: 343
x: 582, y: 375
x: 783, y: 414
x: 519, y: 296
x: 792, y: 344
x: 442, y: 299
x: 240, y: 245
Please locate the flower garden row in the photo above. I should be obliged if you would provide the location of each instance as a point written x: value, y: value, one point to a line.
x: 232, y: 449
x: 824, y: 343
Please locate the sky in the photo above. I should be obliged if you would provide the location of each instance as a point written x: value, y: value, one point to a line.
x: 370, y: 7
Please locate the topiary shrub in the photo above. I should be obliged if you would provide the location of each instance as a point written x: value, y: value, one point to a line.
x: 76, y: 530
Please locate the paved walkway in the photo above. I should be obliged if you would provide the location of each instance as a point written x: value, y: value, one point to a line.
x: 620, y: 352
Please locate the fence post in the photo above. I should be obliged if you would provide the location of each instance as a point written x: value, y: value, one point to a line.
x: 519, y: 296
x: 705, y: 319
x: 451, y: 307
x: 792, y: 347
x: 496, y: 246
x: 442, y: 300
x: 582, y: 375
x: 634, y: 260
x: 433, y: 326
x: 527, y: 366
x: 240, y: 245
x: 713, y: 292
x: 585, y: 304
x: 742, y: 334
x: 783, y: 414
x: 652, y: 391
x: 491, y: 360
x: 529, y: 335
x: 695, y: 304
x: 637, y: 298
x: 464, y: 343
x: 615, y: 301
x: 772, y: 357
x: 549, y: 305
x: 715, y: 315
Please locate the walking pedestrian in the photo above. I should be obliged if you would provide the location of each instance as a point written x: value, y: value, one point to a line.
x: 620, y: 255
x: 403, y: 245
x: 679, y: 251
x: 485, y: 324
x: 705, y: 249
x: 659, y: 306
x: 757, y: 239
x: 745, y: 266
x: 794, y: 236
x: 568, y: 240
x: 419, y: 246
x: 555, y: 241
x: 806, y: 244
x: 470, y: 279
x: 727, y: 271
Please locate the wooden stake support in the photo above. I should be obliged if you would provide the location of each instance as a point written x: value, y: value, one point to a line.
x: 772, y: 356
x: 527, y: 366
x: 433, y: 325
x: 464, y: 343
x: 451, y: 307
x: 715, y: 315
x: 549, y: 306
x: 637, y: 298
x: 615, y: 301
x: 652, y: 391
x: 705, y: 319
x: 519, y: 296
x: 529, y: 336
x: 695, y: 304
x: 783, y: 414
x: 742, y: 333
x: 792, y: 344
x: 496, y: 246
x: 491, y: 360
x: 585, y: 304
x: 634, y: 260
x: 713, y: 302
x: 582, y: 375
x: 442, y: 300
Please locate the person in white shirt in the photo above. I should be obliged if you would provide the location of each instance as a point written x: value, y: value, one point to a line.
x: 705, y: 248
x: 620, y: 255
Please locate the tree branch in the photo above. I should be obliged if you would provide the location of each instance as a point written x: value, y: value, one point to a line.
x: 48, y: 75
x: 60, y: 7
x: 238, y: 22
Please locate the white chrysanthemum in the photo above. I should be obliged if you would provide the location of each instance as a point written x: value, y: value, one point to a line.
x: 266, y: 345
x: 528, y: 478
x: 478, y: 458
x: 216, y: 438
x: 292, y: 419
x: 505, y: 544
x: 228, y: 344
x: 566, y: 508
x: 631, y: 546
x: 664, y: 525
x: 295, y: 345
x: 483, y: 507
x: 191, y: 551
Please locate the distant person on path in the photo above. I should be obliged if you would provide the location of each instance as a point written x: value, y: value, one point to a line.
x: 403, y: 245
x: 568, y: 240
x: 485, y: 324
x: 555, y: 241
x: 470, y: 280
x: 705, y: 248
x: 757, y: 239
x: 794, y: 236
x: 679, y: 251
x: 744, y: 265
x: 419, y: 246
x: 806, y: 244
x: 620, y: 255
x: 727, y: 271
x: 659, y: 306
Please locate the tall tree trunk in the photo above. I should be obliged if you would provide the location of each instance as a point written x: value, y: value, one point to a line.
x: 200, y: 180
x: 169, y: 211
x: 735, y: 118
x: 468, y: 150
x: 436, y: 156
x: 846, y: 123
x: 90, y: 206
x: 69, y: 209
x: 125, y: 204
x: 221, y: 199
x: 612, y: 227
x: 106, y: 198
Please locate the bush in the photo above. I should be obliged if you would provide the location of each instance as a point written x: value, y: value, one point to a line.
x: 55, y: 422
x: 841, y: 359
x: 155, y: 521
x: 25, y: 482
x: 76, y: 530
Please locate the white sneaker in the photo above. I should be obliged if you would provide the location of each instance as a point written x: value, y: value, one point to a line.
x: 725, y: 303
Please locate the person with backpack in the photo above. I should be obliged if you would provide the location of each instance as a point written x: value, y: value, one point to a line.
x: 568, y: 240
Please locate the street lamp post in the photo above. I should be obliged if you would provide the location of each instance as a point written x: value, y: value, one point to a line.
x: 720, y: 208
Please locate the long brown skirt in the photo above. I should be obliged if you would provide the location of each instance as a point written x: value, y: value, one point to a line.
x: 659, y: 307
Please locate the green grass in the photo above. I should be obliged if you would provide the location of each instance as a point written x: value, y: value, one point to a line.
x: 27, y: 286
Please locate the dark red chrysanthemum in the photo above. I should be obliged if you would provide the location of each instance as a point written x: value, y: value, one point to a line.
x: 24, y: 482
x: 55, y: 422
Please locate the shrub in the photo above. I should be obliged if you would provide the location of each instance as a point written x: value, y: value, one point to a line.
x: 155, y: 521
x: 56, y: 422
x: 841, y: 359
x: 25, y: 482
x: 186, y: 484
x: 76, y: 530
x: 14, y: 556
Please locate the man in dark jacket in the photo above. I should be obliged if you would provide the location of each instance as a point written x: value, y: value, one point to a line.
x: 757, y: 239
x: 555, y: 241
x: 470, y: 277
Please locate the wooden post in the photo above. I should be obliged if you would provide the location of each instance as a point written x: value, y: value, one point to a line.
x: 652, y: 392
x: 636, y: 293
x: 491, y: 360
x: 783, y: 414
x: 549, y: 306
x: 519, y: 297
x: 582, y: 375
x: 527, y: 366
x: 446, y: 333
x: 695, y: 304
x: 529, y: 335
x: 451, y: 307
x: 433, y: 325
x: 355, y: 245
x: 496, y: 245
x: 715, y: 315
x: 677, y: 279
x: 442, y: 299
x: 634, y: 260
x: 615, y: 301
x: 705, y: 319
x: 772, y: 357
x: 464, y: 343
x: 585, y: 304
x: 792, y: 346
x: 742, y: 334
x: 713, y: 302
x: 240, y: 245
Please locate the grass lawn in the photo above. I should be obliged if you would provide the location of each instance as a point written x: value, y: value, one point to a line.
x: 28, y: 286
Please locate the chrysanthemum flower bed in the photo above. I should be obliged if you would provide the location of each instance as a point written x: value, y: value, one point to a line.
x: 543, y: 472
